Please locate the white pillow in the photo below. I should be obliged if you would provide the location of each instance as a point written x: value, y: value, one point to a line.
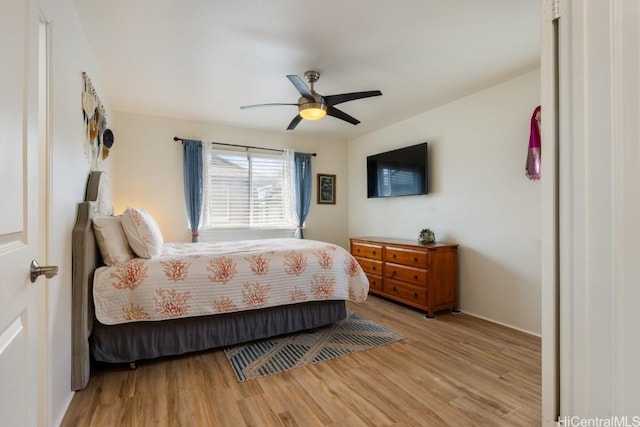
x: 143, y: 233
x: 111, y: 239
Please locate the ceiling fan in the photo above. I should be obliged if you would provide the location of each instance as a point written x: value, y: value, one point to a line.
x: 313, y: 106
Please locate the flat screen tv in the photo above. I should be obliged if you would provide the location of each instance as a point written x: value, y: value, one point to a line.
x: 401, y: 172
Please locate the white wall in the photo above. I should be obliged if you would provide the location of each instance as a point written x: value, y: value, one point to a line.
x: 70, y: 56
x: 479, y: 196
x: 149, y: 170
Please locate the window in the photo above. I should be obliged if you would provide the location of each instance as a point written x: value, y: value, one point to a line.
x: 245, y: 190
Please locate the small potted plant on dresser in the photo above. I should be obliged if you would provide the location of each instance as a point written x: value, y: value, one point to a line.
x: 426, y: 236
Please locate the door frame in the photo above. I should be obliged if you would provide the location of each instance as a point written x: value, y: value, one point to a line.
x: 44, y: 416
x: 550, y: 245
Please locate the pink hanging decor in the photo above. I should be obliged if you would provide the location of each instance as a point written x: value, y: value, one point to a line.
x: 533, y: 154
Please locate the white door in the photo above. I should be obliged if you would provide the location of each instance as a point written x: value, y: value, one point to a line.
x: 18, y: 213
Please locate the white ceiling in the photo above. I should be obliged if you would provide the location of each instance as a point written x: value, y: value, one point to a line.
x: 202, y: 59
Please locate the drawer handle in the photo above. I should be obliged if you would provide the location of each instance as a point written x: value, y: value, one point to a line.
x: 415, y: 295
x: 374, y: 252
x: 358, y: 250
x: 394, y: 289
x: 374, y: 268
x: 394, y: 255
x: 415, y: 277
x: 393, y: 273
x: 415, y: 259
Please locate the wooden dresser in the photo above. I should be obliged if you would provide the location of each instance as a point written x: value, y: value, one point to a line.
x: 422, y: 276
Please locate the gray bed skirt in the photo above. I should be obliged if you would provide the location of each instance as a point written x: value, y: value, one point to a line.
x: 135, y: 341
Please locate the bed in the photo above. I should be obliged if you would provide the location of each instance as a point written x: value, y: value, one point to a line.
x: 231, y: 295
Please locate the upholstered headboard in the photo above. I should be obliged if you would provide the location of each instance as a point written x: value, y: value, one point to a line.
x: 85, y: 259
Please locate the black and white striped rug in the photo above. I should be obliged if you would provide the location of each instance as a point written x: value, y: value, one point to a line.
x: 265, y: 357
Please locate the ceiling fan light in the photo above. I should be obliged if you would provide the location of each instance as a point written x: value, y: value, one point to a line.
x: 313, y: 110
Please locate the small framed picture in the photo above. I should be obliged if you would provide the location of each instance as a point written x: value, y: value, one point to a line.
x: 326, y: 189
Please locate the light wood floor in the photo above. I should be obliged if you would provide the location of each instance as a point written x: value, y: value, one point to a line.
x: 456, y: 370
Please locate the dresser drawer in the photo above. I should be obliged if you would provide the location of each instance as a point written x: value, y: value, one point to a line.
x: 370, y: 266
x: 405, y: 291
x: 406, y: 257
x: 416, y: 276
x: 366, y: 251
x: 375, y: 282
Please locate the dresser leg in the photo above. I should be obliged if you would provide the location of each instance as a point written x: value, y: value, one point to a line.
x: 455, y: 311
x: 432, y: 317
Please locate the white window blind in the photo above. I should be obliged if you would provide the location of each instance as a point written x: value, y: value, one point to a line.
x: 244, y: 190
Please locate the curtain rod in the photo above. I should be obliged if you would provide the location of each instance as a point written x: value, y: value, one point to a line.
x: 175, y: 138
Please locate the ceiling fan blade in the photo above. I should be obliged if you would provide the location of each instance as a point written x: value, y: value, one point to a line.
x: 345, y: 97
x: 300, y: 85
x: 274, y: 104
x: 334, y: 112
x: 297, y: 119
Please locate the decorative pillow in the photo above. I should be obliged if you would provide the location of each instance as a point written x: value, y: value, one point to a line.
x: 143, y: 233
x: 112, y: 241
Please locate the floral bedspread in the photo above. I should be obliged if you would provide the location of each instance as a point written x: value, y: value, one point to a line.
x: 196, y: 279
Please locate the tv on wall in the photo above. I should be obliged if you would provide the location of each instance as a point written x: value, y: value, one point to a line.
x: 401, y: 172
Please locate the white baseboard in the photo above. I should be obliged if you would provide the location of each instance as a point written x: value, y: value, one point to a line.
x: 502, y: 324
x: 63, y: 411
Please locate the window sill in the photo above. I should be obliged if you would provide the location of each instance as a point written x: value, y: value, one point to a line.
x: 219, y: 235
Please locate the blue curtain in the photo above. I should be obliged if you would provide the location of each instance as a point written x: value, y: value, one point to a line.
x: 302, y: 163
x: 192, y: 169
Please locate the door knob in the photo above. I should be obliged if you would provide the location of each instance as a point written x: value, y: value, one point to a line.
x: 49, y: 271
